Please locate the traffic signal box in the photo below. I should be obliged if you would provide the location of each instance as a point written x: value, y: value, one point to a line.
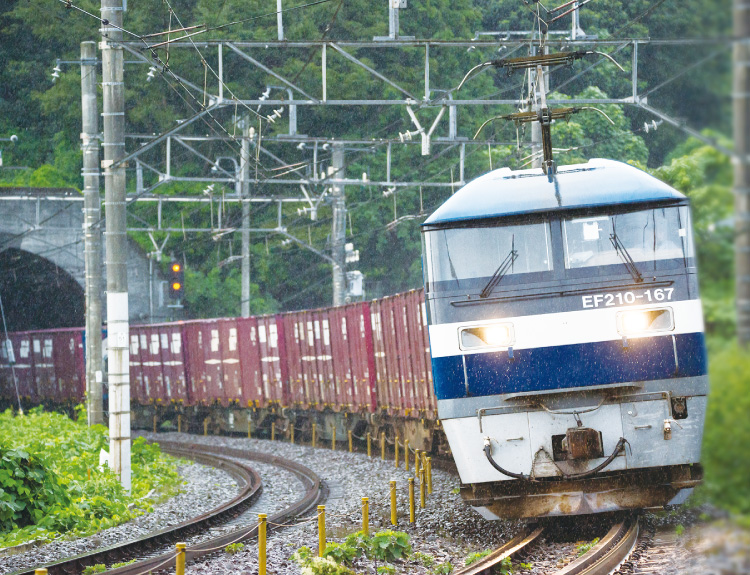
x: 176, y: 280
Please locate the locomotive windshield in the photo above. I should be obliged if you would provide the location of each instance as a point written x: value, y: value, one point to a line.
x: 654, y: 239
x: 467, y: 257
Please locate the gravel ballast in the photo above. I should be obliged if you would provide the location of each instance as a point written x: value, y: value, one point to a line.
x: 446, y: 530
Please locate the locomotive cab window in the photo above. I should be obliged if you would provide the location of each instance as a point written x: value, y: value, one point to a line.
x: 652, y: 239
x: 467, y: 257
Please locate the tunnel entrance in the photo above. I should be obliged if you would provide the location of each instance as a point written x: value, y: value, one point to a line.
x: 37, y: 294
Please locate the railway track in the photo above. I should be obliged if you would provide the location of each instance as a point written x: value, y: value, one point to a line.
x: 610, y: 552
x: 145, y: 549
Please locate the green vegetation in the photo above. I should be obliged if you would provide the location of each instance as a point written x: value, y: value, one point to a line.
x: 383, y: 546
x: 423, y: 559
x: 389, y: 545
x: 476, y: 556
x: 234, y: 548
x: 583, y: 548
x: 94, y: 569
x: 51, y: 484
x: 726, y: 440
x: 443, y: 569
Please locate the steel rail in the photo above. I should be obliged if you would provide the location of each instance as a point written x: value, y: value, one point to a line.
x: 314, y: 493
x: 250, y: 490
x: 609, y: 553
x: 520, y: 542
x: 613, y: 549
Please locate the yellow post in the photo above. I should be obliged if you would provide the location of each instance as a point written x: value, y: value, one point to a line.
x: 421, y: 489
x: 366, y: 515
x: 394, y: 517
x: 429, y: 475
x: 333, y: 438
x: 291, y: 428
x: 179, y: 423
x: 406, y: 454
x: 382, y: 445
x: 369, y: 444
x: 411, y: 499
x: 349, y: 433
x: 314, y: 434
x: 180, y: 559
x: 321, y: 530
x: 262, y: 526
x: 416, y: 462
x: 249, y: 428
x: 154, y: 423
x: 205, y: 426
x: 40, y: 571
x: 273, y: 431
x: 395, y: 447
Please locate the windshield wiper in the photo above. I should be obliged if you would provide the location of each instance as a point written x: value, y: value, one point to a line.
x: 625, y: 257
x: 499, y: 273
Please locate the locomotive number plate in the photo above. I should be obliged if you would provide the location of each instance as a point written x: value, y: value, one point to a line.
x: 626, y: 298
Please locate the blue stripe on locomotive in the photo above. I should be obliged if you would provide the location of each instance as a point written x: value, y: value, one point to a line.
x: 569, y: 366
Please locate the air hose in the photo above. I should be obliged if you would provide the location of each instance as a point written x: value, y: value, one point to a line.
x: 618, y: 448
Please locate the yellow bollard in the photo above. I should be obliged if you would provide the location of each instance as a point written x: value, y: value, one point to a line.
x: 395, y: 447
x: 273, y: 431
x: 366, y: 515
x: 416, y: 463
x: 314, y: 433
x: 406, y: 454
x: 424, y: 461
x: 291, y: 428
x: 321, y: 530
x: 205, y: 426
x: 369, y: 444
x: 154, y: 423
x: 421, y: 489
x: 349, y: 433
x: 394, y: 516
x: 180, y: 559
x: 179, y: 423
x: 411, y: 499
x: 40, y: 571
x: 333, y: 438
x: 262, y: 527
x: 429, y: 475
x: 382, y: 445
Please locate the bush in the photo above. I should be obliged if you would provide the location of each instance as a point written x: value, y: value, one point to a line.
x: 726, y: 438
x: 50, y: 481
x: 389, y: 545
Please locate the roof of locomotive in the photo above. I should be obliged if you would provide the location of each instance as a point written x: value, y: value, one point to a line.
x: 505, y: 192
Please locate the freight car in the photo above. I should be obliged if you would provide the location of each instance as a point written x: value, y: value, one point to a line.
x: 362, y: 367
x: 567, y: 340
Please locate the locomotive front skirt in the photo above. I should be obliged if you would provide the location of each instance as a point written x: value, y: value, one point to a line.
x: 567, y: 342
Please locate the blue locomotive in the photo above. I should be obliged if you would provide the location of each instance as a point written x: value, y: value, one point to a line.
x: 567, y: 342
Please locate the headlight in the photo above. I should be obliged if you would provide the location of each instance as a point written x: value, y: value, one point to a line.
x: 496, y: 335
x: 644, y: 321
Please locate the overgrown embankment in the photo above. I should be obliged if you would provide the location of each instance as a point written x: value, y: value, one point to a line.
x: 51, y: 484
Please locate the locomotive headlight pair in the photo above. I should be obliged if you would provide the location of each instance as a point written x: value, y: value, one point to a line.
x: 645, y: 321
x: 495, y: 335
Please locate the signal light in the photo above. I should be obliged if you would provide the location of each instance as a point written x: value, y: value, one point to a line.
x: 176, y: 280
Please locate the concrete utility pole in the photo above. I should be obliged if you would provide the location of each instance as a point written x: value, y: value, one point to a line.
x: 741, y: 101
x: 92, y: 234
x: 116, y: 242
x: 245, y: 174
x: 338, y: 229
